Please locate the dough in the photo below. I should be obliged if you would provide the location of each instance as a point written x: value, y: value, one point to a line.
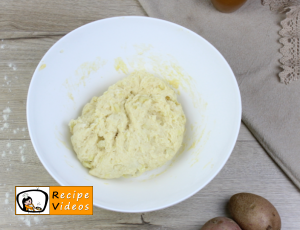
x: 135, y: 126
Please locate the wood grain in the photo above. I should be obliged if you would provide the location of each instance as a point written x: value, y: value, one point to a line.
x: 60, y: 16
x: 28, y: 29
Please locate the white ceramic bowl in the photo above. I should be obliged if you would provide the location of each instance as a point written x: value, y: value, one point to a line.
x: 83, y: 64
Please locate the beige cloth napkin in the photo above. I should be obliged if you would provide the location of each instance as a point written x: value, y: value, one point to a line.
x: 248, y: 39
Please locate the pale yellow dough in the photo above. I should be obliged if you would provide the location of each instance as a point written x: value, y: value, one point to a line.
x: 135, y: 126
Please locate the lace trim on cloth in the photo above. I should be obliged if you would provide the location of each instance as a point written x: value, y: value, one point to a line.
x: 280, y: 5
x: 290, y: 38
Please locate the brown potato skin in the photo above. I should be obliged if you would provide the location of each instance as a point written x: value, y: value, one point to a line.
x: 253, y: 212
x: 220, y: 223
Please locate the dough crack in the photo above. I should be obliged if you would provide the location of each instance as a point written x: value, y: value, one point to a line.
x: 135, y: 126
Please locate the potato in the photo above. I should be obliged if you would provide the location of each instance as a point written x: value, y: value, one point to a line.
x: 220, y: 223
x: 253, y: 212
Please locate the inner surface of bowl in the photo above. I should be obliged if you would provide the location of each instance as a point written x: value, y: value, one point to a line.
x: 88, y: 60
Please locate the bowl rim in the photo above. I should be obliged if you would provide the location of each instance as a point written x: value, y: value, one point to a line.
x: 236, y: 131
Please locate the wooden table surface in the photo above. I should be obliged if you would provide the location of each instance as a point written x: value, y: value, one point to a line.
x: 28, y: 29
